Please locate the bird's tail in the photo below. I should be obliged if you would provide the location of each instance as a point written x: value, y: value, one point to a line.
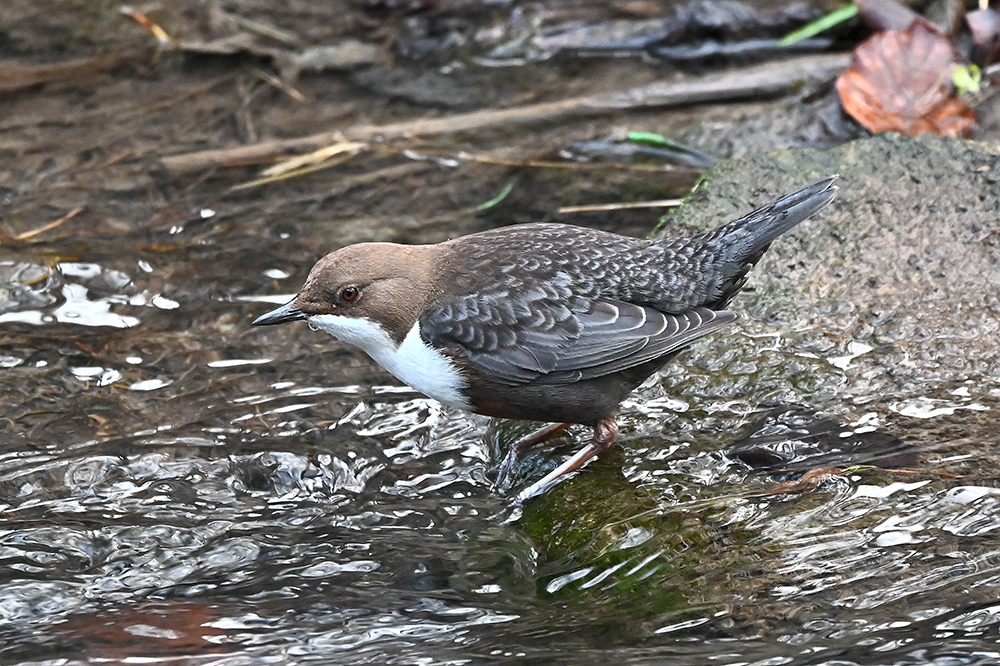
x: 743, y: 241
x: 719, y: 261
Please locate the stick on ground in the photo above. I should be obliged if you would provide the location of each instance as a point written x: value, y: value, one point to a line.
x: 761, y: 81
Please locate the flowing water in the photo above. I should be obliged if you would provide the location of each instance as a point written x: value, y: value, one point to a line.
x: 174, y: 484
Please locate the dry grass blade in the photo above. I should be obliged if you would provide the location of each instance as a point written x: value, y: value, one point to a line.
x: 315, y: 158
x: 595, y: 208
x: 275, y: 82
x: 46, y: 227
x: 324, y: 158
x: 550, y: 164
x: 159, y: 33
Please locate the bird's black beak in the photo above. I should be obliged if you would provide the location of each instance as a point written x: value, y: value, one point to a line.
x: 285, y: 313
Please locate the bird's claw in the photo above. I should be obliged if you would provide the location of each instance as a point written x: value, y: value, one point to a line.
x: 507, y: 470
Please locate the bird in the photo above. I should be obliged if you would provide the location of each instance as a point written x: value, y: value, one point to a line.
x: 540, y: 321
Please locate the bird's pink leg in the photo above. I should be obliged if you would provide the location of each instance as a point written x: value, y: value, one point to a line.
x: 605, y: 432
x: 532, y: 439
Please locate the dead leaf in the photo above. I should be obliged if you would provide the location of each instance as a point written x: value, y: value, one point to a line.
x: 900, y: 81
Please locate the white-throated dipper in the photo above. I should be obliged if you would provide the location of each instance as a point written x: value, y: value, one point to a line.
x: 540, y: 322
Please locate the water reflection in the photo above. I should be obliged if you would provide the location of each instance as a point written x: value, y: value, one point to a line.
x: 79, y: 293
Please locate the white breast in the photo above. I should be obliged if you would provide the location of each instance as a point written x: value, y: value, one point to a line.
x: 413, y: 362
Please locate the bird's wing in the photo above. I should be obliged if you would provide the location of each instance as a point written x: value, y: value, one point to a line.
x: 617, y: 336
x: 516, y: 341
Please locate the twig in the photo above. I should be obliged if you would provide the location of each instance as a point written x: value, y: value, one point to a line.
x: 275, y: 82
x: 16, y: 76
x: 768, y: 80
x: 48, y: 227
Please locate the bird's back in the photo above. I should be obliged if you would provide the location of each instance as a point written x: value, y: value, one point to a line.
x: 576, y: 265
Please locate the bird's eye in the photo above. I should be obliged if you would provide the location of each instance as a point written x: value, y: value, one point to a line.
x: 350, y: 294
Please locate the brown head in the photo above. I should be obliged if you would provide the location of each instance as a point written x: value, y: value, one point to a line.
x: 386, y: 283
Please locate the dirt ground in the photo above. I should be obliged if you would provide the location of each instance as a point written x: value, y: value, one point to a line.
x: 94, y: 141
x: 92, y: 138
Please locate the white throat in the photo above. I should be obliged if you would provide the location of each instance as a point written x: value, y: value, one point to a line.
x: 413, y: 362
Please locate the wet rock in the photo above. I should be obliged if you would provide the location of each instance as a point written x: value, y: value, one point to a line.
x: 792, y: 440
x: 904, y: 266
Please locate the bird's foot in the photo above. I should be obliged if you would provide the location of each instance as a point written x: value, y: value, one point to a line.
x: 507, y: 470
x: 605, y: 432
x: 546, y: 483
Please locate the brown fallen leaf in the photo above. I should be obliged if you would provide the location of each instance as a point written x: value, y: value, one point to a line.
x: 900, y: 81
